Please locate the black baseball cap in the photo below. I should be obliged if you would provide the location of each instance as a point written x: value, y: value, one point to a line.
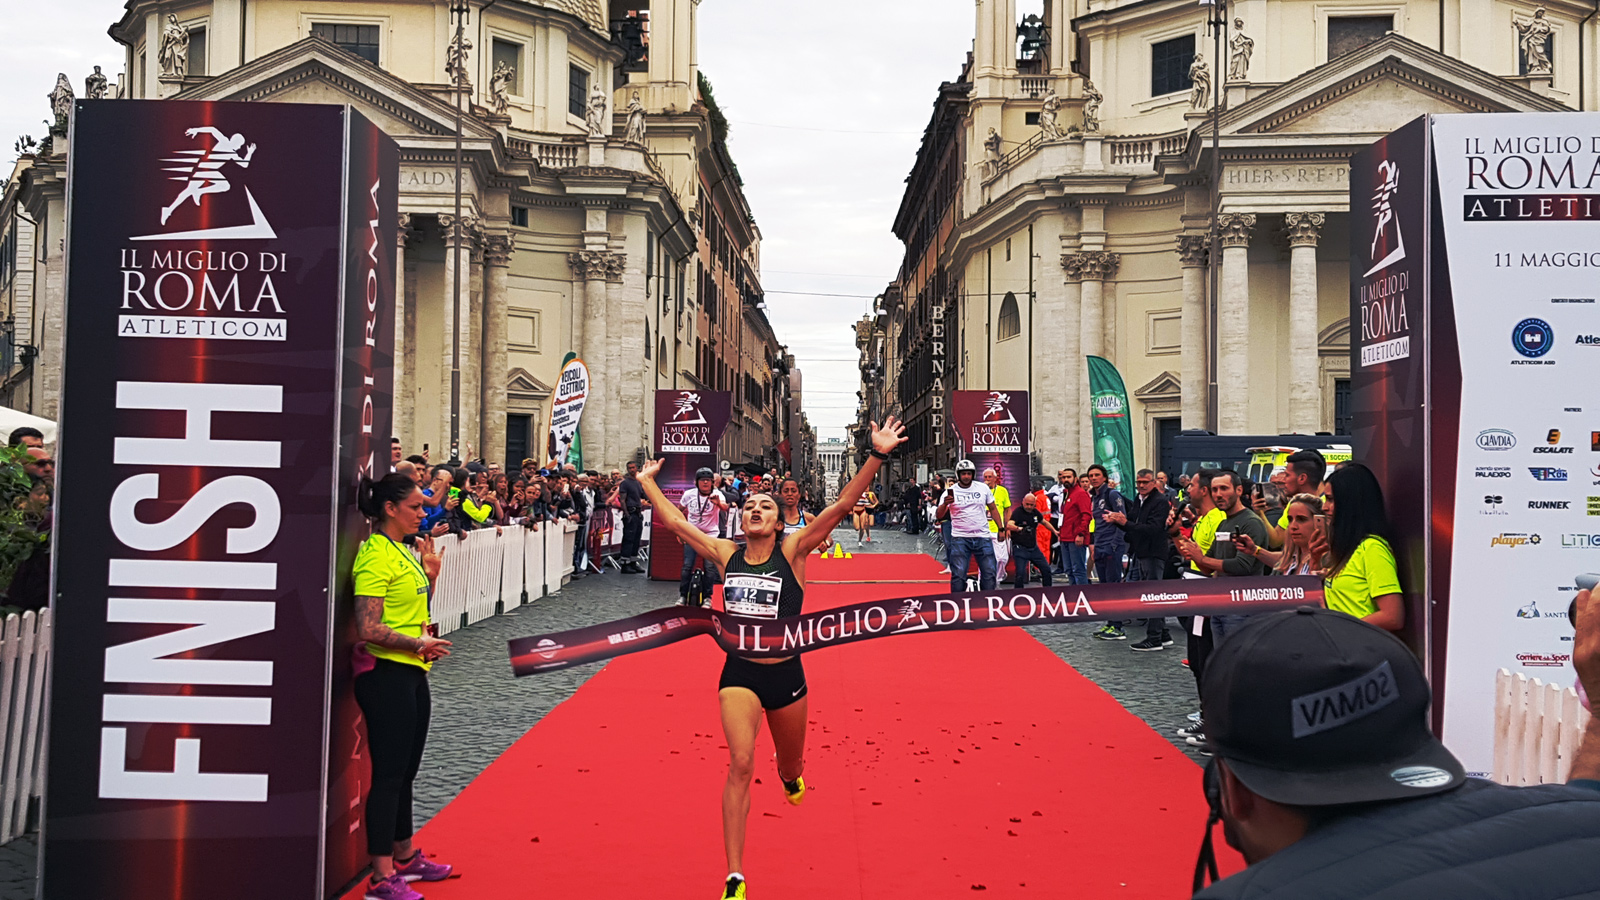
x: 1312, y: 707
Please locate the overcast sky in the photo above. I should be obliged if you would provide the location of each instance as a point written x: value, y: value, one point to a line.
x: 827, y: 102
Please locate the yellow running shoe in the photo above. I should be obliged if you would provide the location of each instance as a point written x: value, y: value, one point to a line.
x: 734, y: 890
x: 795, y: 791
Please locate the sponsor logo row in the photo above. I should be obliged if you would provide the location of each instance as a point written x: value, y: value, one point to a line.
x: 1496, y: 505
x: 1533, y: 338
x: 1538, y: 473
x: 1568, y: 541
x: 1499, y: 440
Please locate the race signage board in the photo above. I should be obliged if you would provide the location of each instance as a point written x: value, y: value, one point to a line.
x: 1479, y: 317
x: 230, y: 284
x: 689, y: 425
x: 566, y: 409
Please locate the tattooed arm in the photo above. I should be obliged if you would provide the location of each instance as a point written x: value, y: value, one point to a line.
x: 370, y: 628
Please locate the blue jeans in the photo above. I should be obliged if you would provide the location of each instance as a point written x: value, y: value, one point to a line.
x: 1108, y: 564
x: 689, y: 556
x: 960, y: 552
x: 1074, y: 560
x: 1023, y: 553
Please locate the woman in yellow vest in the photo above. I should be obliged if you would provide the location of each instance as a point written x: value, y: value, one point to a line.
x: 1360, y: 576
x: 391, y: 678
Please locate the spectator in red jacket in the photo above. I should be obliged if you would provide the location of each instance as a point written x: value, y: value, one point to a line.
x: 1074, y: 527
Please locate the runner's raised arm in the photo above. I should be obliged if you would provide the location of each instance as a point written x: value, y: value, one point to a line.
x: 668, y: 514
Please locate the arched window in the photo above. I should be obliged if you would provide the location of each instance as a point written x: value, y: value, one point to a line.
x: 646, y: 338
x: 1010, y: 318
x: 661, y: 358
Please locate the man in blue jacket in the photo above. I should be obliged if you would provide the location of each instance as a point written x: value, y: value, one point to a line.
x: 1109, y: 512
x: 1328, y: 779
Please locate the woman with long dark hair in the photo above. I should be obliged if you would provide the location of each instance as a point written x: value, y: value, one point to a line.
x: 391, y: 683
x: 765, y: 578
x: 1357, y: 551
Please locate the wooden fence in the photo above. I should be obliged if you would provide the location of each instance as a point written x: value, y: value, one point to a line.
x: 24, y: 670
x: 1537, y: 728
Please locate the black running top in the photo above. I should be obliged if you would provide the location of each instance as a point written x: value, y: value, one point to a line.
x: 767, y: 590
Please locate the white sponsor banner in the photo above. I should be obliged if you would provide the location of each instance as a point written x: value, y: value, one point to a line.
x: 571, y: 395
x: 1527, y: 460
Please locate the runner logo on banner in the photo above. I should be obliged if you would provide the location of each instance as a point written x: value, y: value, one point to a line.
x: 572, y: 394
x: 993, y: 427
x: 685, y: 428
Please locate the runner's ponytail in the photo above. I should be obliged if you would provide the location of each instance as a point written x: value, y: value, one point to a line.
x: 373, y: 496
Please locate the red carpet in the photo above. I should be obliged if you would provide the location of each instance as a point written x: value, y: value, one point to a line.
x: 940, y: 765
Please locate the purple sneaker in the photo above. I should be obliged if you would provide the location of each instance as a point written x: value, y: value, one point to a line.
x: 392, y: 888
x: 420, y: 868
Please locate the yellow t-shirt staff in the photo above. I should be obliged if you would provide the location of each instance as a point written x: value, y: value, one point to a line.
x: 391, y: 682
x: 1362, y: 578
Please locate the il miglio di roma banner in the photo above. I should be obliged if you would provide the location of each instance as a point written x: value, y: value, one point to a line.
x: 993, y: 428
x: 1517, y: 246
x: 689, y: 424
x: 1113, y: 433
x: 1394, y: 331
x: 776, y: 638
x: 566, y: 409
x: 228, y: 347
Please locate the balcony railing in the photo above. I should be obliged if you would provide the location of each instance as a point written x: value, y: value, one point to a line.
x: 1142, y: 149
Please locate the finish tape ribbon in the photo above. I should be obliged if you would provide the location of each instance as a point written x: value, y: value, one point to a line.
x: 777, y: 638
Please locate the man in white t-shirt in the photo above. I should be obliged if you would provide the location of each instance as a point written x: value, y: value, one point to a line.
x: 703, y: 507
x: 971, y: 507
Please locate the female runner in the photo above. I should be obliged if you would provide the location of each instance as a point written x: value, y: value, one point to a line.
x: 794, y: 518
x: 861, y: 514
x: 766, y: 579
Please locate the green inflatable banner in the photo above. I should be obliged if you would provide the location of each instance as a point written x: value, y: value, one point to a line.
x: 1113, y: 430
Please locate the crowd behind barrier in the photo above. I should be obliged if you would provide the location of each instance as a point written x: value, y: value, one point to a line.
x: 1537, y: 729
x: 492, y: 570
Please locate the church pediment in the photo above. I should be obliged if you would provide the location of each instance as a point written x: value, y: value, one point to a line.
x: 314, y: 70
x: 1166, y: 386
x: 1378, y: 89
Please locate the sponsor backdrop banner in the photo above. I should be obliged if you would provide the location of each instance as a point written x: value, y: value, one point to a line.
x: 761, y: 637
x: 993, y: 428
x: 1519, y: 235
x: 689, y: 424
x: 566, y: 408
x: 1389, y: 345
x: 1113, y: 433
x: 229, y: 310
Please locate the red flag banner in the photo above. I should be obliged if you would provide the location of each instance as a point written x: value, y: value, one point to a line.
x: 778, y: 638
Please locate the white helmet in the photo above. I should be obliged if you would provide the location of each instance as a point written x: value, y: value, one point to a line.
x: 966, y: 465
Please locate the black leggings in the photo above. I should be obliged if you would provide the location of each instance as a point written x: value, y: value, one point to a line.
x: 394, y: 700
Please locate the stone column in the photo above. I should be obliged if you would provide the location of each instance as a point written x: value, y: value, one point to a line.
x: 1072, y: 371
x: 452, y: 233
x: 1095, y: 267
x: 1054, y: 364
x: 1305, y: 398
x: 589, y: 266
x: 1233, y: 326
x: 616, y: 364
x: 405, y: 365
x: 1192, y: 257
x: 472, y: 345
x: 497, y: 257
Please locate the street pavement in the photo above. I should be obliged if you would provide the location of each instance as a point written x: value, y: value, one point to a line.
x: 480, y: 710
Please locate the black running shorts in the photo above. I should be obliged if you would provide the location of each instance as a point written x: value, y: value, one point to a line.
x: 776, y: 685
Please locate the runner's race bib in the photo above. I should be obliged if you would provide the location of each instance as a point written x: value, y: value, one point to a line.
x: 744, y: 594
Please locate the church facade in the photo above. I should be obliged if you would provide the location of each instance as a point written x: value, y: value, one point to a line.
x: 582, y: 225
x: 1061, y: 205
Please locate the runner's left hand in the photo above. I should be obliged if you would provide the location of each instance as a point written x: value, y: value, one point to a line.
x: 890, y: 436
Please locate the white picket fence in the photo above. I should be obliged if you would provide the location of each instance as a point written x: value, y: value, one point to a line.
x: 24, y: 670
x: 492, y: 570
x: 1537, y: 728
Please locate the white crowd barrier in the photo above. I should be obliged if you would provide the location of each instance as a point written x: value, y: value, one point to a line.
x: 24, y: 669
x: 1537, y: 728
x: 491, y: 570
